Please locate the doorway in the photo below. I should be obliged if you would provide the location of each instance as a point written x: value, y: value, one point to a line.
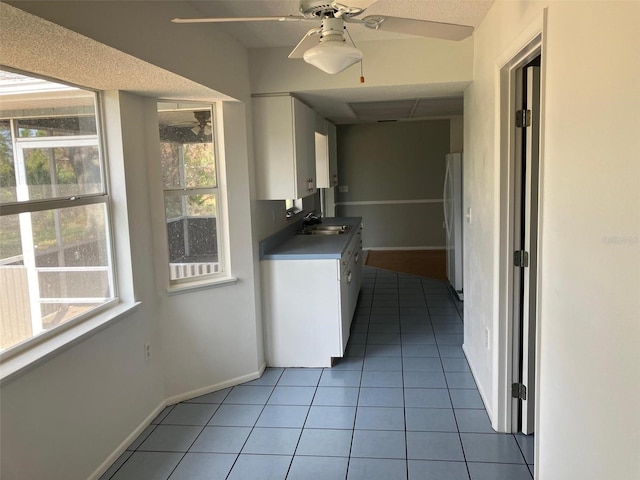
x: 521, y: 131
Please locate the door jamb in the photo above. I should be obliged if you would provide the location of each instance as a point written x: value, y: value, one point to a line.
x: 529, y: 45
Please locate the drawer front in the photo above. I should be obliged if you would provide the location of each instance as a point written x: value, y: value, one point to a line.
x: 354, y: 249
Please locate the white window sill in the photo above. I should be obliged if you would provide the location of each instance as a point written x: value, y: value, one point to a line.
x: 30, y: 358
x: 201, y: 285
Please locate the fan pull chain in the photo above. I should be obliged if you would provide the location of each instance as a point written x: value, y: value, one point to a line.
x: 361, y: 61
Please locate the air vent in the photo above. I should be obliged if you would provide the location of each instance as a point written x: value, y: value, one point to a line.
x: 407, y: 109
x: 391, y: 110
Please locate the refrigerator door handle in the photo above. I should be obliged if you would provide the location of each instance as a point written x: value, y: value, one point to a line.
x: 445, y: 202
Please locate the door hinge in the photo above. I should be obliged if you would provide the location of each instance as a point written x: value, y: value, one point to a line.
x: 521, y: 258
x: 518, y: 391
x: 523, y: 118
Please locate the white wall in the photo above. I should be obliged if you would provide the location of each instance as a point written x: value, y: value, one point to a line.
x: 456, y: 134
x: 589, y: 320
x: 481, y: 192
x: 387, y: 64
x: 591, y: 330
x: 395, y: 162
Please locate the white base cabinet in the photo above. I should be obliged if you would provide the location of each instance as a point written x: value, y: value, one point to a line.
x: 308, y: 306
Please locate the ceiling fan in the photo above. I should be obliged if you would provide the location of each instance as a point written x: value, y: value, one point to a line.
x: 203, y: 128
x: 325, y: 47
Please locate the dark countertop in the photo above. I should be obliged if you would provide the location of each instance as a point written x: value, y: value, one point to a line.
x: 290, y: 246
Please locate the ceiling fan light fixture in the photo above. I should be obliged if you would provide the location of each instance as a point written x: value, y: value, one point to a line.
x: 332, y: 56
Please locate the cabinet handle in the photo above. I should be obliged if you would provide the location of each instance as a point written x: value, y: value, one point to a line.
x: 355, y: 259
x: 349, y: 278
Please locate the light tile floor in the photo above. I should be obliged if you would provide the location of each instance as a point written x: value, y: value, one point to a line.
x: 402, y: 404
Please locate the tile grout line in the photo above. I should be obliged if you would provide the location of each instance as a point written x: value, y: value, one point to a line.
x: 254, y: 424
x: 353, y: 431
x: 184, y: 454
x: 404, y: 403
x: 293, y: 455
x: 453, y: 411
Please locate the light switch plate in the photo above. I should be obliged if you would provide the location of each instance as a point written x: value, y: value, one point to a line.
x: 343, y: 189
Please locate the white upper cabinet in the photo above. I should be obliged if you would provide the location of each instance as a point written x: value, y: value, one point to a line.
x: 284, y: 141
x: 326, y: 153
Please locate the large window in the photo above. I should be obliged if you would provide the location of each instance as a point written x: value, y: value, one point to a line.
x: 55, y: 253
x: 191, y: 196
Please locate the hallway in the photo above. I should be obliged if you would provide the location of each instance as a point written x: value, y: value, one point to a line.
x: 401, y: 404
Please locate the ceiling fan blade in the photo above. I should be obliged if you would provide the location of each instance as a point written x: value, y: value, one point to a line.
x: 289, y: 18
x: 310, y: 39
x: 423, y: 28
x: 352, y: 5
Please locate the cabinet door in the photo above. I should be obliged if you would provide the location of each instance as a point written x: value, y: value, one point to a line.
x: 311, y: 152
x: 356, y: 280
x: 333, y: 154
x: 323, y: 175
x: 346, y: 307
x: 301, y: 312
x: 305, y: 148
x: 274, y: 147
x: 358, y: 260
x: 326, y: 154
x: 284, y: 146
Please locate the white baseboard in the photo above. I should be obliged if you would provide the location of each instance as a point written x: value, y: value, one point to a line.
x: 156, y: 411
x: 126, y: 442
x: 487, y: 405
x: 214, y: 388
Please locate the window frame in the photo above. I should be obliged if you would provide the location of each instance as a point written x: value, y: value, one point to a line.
x: 14, y: 358
x: 222, y: 276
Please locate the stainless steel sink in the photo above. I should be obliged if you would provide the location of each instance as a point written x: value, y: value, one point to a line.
x: 325, y: 230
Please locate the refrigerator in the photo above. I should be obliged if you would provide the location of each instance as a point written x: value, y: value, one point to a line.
x: 452, y: 201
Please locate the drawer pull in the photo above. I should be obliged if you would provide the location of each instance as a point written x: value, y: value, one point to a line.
x: 355, y: 259
x: 349, y: 277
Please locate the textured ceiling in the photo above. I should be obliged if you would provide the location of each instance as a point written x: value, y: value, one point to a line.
x: 89, y: 63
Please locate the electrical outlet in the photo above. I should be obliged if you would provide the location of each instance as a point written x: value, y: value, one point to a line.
x: 468, y: 215
x: 147, y: 350
x: 343, y: 188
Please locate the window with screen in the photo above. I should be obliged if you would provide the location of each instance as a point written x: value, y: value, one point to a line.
x: 55, y: 248
x: 191, y: 193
